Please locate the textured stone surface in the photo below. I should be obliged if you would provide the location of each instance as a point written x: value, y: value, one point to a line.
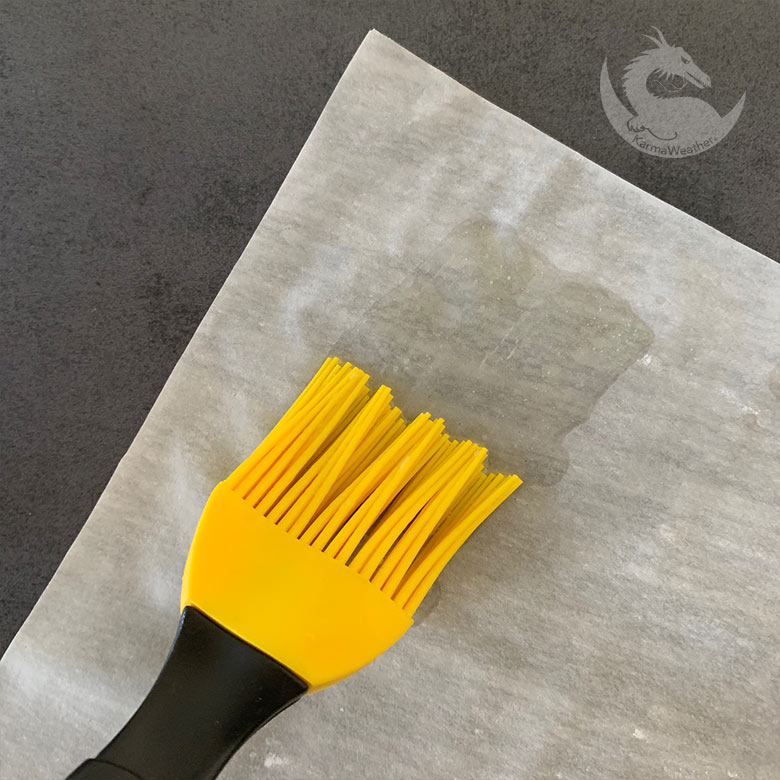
x: 618, y: 617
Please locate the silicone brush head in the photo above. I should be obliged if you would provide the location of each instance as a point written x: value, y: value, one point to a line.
x: 319, y: 547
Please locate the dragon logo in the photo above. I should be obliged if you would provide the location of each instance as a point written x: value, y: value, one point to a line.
x: 662, y: 121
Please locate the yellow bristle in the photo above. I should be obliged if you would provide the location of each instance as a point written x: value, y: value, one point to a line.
x: 300, y: 451
x: 343, y: 473
x: 246, y: 476
x: 328, y: 367
x: 380, y: 438
x: 307, y: 501
x: 401, y: 512
x: 320, y: 532
x: 352, y: 532
x: 432, y: 560
x: 450, y: 483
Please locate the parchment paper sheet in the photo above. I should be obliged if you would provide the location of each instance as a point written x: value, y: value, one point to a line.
x: 618, y: 618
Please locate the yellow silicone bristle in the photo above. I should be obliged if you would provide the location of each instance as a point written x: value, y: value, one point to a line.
x: 450, y: 479
x: 351, y: 534
x: 296, y: 514
x: 328, y: 368
x: 380, y: 438
x: 444, y: 544
x: 401, y: 512
x: 343, y: 473
x: 339, y: 511
x: 289, y: 457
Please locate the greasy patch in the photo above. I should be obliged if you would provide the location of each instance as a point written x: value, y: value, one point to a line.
x: 429, y: 603
x: 509, y: 349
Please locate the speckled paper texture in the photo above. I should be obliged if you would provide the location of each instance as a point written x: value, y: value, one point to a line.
x: 618, y: 617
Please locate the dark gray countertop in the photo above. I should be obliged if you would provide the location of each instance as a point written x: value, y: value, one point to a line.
x: 142, y: 144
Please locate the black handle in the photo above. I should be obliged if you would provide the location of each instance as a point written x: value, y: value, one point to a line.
x: 213, y: 693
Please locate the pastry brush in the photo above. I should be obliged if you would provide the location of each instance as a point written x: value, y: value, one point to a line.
x: 308, y: 562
